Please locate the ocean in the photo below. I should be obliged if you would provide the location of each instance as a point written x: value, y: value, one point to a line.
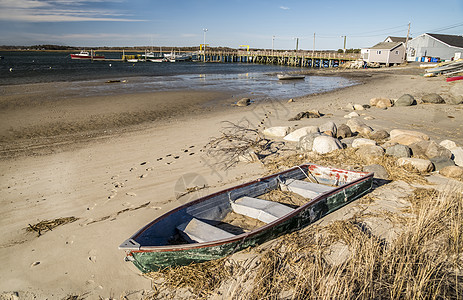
x: 25, y: 67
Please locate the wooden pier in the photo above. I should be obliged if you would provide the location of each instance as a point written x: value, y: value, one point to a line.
x: 306, y: 59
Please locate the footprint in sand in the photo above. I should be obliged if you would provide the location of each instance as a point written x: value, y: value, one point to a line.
x: 36, y: 263
x: 159, y: 159
x: 92, y: 255
x: 192, y: 153
x: 143, y: 176
x: 177, y: 157
x: 143, y: 163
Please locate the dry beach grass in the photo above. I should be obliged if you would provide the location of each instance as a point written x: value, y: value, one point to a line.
x: 424, y: 261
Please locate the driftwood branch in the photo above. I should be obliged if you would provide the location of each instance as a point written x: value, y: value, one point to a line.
x: 237, y: 142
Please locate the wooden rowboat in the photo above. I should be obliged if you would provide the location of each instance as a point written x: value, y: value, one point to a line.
x: 198, y: 231
x: 290, y: 76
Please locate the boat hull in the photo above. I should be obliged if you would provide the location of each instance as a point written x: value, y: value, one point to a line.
x: 154, y: 258
x: 77, y: 56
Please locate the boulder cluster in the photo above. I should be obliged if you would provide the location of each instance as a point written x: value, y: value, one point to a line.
x: 407, y: 147
x: 409, y: 100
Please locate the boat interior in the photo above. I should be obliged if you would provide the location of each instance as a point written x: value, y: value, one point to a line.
x: 239, y: 210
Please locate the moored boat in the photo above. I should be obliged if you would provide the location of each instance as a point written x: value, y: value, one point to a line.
x: 86, y: 55
x: 290, y: 76
x: 200, y: 230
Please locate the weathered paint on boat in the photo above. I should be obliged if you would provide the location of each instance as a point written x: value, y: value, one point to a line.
x: 153, y: 258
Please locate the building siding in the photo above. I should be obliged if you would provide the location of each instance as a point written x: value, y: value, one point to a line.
x: 425, y: 45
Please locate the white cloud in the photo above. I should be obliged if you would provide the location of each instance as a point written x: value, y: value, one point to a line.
x: 57, y: 11
x: 284, y: 7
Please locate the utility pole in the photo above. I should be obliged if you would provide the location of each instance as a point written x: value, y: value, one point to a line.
x: 273, y: 40
x: 313, y: 52
x: 205, y: 30
x: 406, y: 42
x: 344, y: 36
x: 297, y: 43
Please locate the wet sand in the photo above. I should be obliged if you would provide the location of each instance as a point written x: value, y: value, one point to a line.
x: 117, y: 181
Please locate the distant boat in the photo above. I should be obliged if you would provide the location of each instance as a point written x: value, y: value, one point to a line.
x: 173, y: 57
x: 158, y: 60
x: 86, y: 55
x: 290, y: 76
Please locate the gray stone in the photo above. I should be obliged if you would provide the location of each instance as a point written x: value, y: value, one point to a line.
x: 458, y: 156
x: 306, y: 142
x: 452, y: 172
x: 359, y: 142
x: 243, y: 102
x: 441, y: 162
x: 347, y: 142
x: 344, y: 131
x: 422, y: 165
x: 432, y: 98
x: 352, y: 115
x: 380, y: 171
x: 398, y: 132
x: 405, y: 100
x: 448, y: 144
x: 456, y: 91
x: 358, y: 107
x: 379, y: 135
x: 435, y: 150
x: 326, y: 144
x: 306, y: 114
x: 277, y: 131
x: 357, y: 125
x: 454, y: 100
x: 296, y: 135
x: 329, y: 128
x: 399, y: 151
x: 370, y: 152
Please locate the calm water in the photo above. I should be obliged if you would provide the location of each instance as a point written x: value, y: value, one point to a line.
x: 260, y: 80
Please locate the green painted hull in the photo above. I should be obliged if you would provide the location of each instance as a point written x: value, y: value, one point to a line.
x: 155, y: 259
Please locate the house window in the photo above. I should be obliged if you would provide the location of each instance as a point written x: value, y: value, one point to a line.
x: 378, y: 52
x: 397, y: 52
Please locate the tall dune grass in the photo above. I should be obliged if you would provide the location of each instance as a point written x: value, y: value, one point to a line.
x: 425, y: 261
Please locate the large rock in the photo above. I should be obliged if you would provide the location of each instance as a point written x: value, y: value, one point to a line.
x: 405, y: 100
x: 448, y: 144
x: 347, y: 142
x: 452, y: 172
x: 325, y: 144
x: 359, y: 107
x: 278, y: 131
x: 379, y: 135
x: 397, y: 132
x: 359, y: 142
x: 381, y: 102
x: 306, y: 142
x: 379, y: 170
x: 436, y: 150
x: 399, y: 151
x: 343, y: 131
x: 458, y: 156
x: 306, y: 114
x: 456, y: 92
x: 407, y: 137
x: 243, y: 102
x: 328, y: 128
x: 441, y: 162
x: 422, y: 165
x: 429, y: 149
x: 432, y: 98
x: 296, y: 135
x: 357, y: 125
x: 352, y: 115
x: 370, y: 152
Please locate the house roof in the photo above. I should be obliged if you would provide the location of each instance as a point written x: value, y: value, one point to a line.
x: 397, y: 39
x: 451, y: 40
x: 386, y: 45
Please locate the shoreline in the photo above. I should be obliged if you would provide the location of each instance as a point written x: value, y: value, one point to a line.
x: 117, y: 184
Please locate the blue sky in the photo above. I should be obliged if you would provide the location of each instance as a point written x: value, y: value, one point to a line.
x: 230, y: 23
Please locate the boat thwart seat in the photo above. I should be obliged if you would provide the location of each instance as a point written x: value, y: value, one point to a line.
x: 198, y: 231
x: 304, y: 188
x: 263, y: 210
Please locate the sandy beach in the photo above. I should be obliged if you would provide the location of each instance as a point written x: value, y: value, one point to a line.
x: 114, y: 162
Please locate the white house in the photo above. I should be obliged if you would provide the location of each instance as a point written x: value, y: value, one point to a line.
x: 435, y: 47
x: 386, y: 53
